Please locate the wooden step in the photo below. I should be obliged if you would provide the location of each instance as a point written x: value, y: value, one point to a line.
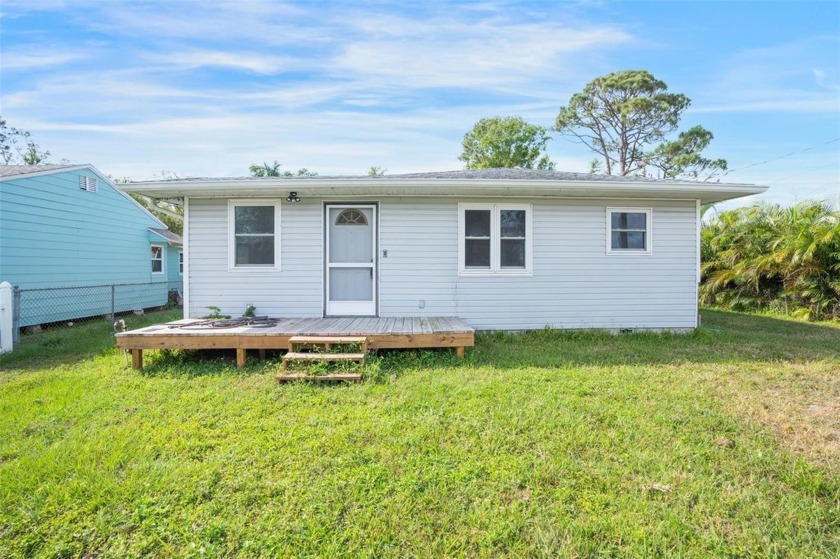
x: 337, y: 377
x: 324, y: 344
x: 298, y: 356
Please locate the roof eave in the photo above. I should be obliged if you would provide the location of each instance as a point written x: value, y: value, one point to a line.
x: 705, y: 192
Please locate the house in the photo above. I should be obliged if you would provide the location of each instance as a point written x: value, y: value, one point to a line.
x: 500, y: 248
x: 77, y: 246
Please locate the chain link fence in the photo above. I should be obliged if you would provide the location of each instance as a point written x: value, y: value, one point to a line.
x: 36, y: 307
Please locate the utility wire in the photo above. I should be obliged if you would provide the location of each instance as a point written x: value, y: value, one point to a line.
x: 814, y: 170
x: 781, y: 157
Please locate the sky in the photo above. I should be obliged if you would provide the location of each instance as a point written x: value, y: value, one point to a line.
x: 203, y: 88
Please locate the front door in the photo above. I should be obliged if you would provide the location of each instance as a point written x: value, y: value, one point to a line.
x: 351, y: 260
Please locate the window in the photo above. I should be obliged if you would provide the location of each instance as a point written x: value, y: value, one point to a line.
x: 351, y: 216
x: 181, y: 262
x: 157, y: 259
x: 628, y: 230
x: 494, y: 239
x: 254, y: 235
x: 87, y: 183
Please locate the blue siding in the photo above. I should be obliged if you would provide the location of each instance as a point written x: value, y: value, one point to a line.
x: 176, y: 280
x: 54, y: 234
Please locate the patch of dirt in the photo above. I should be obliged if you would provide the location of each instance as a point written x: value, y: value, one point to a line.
x: 799, y: 402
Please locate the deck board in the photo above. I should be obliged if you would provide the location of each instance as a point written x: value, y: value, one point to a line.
x: 382, y: 333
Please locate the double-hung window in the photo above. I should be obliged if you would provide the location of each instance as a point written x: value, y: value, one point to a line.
x: 628, y: 230
x: 254, y: 234
x: 494, y: 239
x: 157, y: 259
x: 181, y: 262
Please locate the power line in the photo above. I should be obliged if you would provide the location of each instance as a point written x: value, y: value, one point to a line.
x: 813, y: 170
x: 781, y: 157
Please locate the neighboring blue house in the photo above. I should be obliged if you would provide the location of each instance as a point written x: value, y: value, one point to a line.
x: 67, y: 234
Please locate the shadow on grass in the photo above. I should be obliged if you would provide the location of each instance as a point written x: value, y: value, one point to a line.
x: 724, y: 337
x: 169, y: 363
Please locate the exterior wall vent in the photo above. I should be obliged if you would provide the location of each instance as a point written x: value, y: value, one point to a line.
x: 88, y: 183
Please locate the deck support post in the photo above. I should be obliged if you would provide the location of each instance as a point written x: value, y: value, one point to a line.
x: 240, y: 357
x: 136, y: 358
x: 459, y: 352
x: 262, y: 353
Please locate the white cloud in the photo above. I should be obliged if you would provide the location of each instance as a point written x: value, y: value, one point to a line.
x: 463, y: 55
x: 249, y: 61
x: 31, y: 59
x: 795, y: 76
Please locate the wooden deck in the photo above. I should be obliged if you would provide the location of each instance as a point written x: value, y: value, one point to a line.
x: 381, y: 333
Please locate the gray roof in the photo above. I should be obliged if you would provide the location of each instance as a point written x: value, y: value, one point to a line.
x: 470, y: 174
x: 472, y: 183
x: 16, y: 170
x: 173, y: 238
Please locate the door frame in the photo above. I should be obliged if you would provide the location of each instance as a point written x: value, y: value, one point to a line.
x: 327, y: 206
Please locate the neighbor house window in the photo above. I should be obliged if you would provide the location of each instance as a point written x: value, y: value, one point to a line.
x: 181, y: 262
x: 494, y: 239
x: 628, y: 230
x: 254, y: 231
x: 157, y: 259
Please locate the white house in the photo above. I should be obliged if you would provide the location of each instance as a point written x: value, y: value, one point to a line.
x: 500, y: 248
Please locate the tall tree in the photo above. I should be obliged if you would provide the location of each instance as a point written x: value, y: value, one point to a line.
x: 506, y: 142
x: 625, y: 117
x: 682, y: 157
x: 170, y: 212
x: 18, y: 148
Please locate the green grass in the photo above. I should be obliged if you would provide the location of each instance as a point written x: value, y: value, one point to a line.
x: 555, y: 444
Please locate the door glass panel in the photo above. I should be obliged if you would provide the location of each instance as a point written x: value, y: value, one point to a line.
x: 351, y: 243
x: 351, y: 284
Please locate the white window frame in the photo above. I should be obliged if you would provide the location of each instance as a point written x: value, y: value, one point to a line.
x: 232, y: 205
x: 162, y: 260
x: 495, y: 269
x: 648, y: 232
x: 180, y: 262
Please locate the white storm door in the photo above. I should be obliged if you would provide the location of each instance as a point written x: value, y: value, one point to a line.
x: 351, y: 260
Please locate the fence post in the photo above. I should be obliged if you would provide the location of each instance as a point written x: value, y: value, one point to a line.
x: 16, y: 315
x: 6, y: 314
x: 113, y: 298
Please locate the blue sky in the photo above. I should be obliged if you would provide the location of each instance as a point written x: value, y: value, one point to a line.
x: 207, y: 88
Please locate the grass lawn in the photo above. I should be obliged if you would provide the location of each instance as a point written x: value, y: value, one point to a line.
x: 725, y: 442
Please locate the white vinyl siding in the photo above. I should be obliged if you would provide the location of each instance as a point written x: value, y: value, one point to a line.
x: 296, y: 291
x: 574, y: 282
